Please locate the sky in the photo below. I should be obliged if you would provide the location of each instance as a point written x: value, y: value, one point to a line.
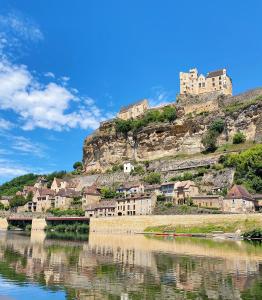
x: 67, y: 65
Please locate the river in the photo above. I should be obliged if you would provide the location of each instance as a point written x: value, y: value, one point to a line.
x: 127, y: 267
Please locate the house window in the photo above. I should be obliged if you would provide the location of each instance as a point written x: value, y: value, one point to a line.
x: 213, y: 79
x: 199, y: 84
x: 213, y: 84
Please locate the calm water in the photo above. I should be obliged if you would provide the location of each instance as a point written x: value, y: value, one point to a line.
x: 128, y: 267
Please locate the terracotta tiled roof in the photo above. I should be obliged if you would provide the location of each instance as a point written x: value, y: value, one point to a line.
x: 152, y: 186
x: 45, y: 192
x: 91, y: 190
x: 184, y: 184
x: 102, y: 204
x: 238, y: 191
x: 69, y: 193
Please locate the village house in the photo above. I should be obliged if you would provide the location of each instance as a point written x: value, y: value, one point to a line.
x: 5, y: 200
x: 135, y: 205
x: 134, y: 110
x: 65, y: 198
x: 105, y: 208
x: 238, y: 200
x: 208, y: 201
x: 124, y: 206
x: 41, y: 183
x: 28, y: 189
x: 90, y: 196
x: 43, y: 199
x: 153, y: 189
x: 179, y: 191
x: 59, y: 184
x: 131, y: 188
x: 128, y: 167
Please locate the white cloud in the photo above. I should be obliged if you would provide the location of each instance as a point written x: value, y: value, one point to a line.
x: 49, y: 74
x: 20, y: 26
x: 65, y: 78
x: 24, y: 145
x: 5, y: 125
x: 46, y: 106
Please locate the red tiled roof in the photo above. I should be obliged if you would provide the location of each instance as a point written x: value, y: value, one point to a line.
x: 238, y: 191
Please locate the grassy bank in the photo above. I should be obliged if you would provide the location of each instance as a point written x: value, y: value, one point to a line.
x: 246, y: 225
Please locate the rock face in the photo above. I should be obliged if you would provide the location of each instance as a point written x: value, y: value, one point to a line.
x: 106, y: 147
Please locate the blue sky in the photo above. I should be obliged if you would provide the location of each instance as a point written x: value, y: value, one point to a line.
x: 67, y: 65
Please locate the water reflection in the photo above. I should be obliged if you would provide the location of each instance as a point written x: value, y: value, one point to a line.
x: 130, y: 267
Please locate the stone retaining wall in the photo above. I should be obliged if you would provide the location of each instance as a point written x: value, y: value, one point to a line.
x: 135, y: 224
x: 3, y: 224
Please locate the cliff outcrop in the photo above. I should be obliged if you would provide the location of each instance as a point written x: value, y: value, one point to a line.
x: 106, y: 147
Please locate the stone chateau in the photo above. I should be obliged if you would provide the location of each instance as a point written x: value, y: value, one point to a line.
x: 196, y: 84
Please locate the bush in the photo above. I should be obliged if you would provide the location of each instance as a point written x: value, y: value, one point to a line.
x: 78, y: 165
x: 153, y: 178
x: 218, y: 167
x: 2, y: 207
x: 67, y: 212
x: 217, y: 126
x: 108, y: 192
x: 209, y: 141
x: 138, y: 170
x: 161, y: 198
x: 248, y: 166
x: 169, y: 204
x: 239, y: 138
x: 168, y: 113
x: 17, y: 201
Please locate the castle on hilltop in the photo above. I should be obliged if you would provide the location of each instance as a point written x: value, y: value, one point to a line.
x: 194, y: 84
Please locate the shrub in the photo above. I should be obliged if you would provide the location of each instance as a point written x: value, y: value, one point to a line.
x: 209, y: 141
x: 67, y: 212
x: 138, y: 170
x: 108, y: 192
x: 161, y: 198
x: 169, y: 113
x: 17, y: 201
x: 218, y: 167
x: 217, y: 126
x: 153, y: 178
x: 2, y: 207
x: 169, y: 204
x: 239, y: 138
x: 248, y: 166
x: 78, y: 165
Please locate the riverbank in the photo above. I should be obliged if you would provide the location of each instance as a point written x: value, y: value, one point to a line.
x: 179, y: 223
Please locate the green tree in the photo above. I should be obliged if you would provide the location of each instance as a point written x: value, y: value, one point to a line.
x: 17, y: 201
x: 153, y: 178
x: 239, y: 138
x: 78, y: 165
x: 210, y: 140
x: 108, y: 192
x: 2, y: 207
x: 169, y: 113
x: 217, y: 125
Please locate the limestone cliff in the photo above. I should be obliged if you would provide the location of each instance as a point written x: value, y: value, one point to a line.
x: 106, y: 147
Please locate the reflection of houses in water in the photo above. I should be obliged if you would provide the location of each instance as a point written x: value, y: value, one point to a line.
x: 119, y: 265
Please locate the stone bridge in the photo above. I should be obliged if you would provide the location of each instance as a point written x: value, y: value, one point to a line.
x: 38, y: 221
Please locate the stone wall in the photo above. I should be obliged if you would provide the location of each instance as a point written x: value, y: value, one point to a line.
x: 38, y: 224
x: 136, y: 224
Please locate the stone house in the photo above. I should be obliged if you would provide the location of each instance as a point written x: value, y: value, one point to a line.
x: 153, y: 188
x: 26, y: 190
x: 105, y: 208
x: 208, y: 201
x: 131, y: 188
x: 135, y: 205
x: 179, y: 191
x: 128, y: 167
x: 65, y: 197
x: 238, y: 200
x: 90, y: 196
x: 134, y: 110
x: 195, y: 84
x: 5, y: 200
x: 41, y: 183
x: 43, y: 199
x: 59, y: 184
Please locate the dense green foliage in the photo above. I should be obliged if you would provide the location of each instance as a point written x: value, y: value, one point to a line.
x: 217, y: 126
x: 67, y: 212
x: 138, y: 170
x: 78, y: 165
x: 239, y: 138
x: 253, y: 234
x: 2, y: 207
x: 17, y: 184
x: 108, y: 192
x: 76, y: 227
x: 153, y: 178
x: 209, y: 140
x: 248, y: 165
x: 17, y: 201
x: 167, y: 114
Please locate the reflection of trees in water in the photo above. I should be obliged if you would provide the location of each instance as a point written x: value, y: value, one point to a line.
x: 82, y: 269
